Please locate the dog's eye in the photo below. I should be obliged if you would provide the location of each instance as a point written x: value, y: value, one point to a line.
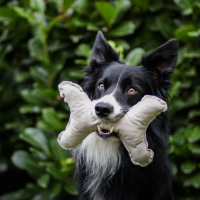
x: 131, y: 91
x: 101, y: 86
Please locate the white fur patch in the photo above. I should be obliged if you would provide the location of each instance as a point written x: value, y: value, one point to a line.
x: 111, y: 100
x: 102, y: 159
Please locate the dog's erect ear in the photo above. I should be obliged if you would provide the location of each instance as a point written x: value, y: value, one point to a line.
x: 102, y: 52
x: 161, y: 62
x: 102, y: 55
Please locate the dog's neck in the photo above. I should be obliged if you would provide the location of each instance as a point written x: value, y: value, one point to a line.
x: 102, y: 159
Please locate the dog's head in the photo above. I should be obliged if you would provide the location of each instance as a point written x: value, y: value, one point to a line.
x: 114, y: 86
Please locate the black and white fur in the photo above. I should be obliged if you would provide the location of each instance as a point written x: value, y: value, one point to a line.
x: 103, y: 166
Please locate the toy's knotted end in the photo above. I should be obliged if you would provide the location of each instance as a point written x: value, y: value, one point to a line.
x: 144, y: 160
x: 68, y: 85
x: 157, y: 101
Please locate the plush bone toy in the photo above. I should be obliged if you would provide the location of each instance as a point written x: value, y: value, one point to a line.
x: 131, y: 128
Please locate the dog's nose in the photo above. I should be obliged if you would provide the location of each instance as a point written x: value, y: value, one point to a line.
x: 103, y: 109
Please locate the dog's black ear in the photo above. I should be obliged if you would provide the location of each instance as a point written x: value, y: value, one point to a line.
x: 102, y: 53
x: 161, y: 62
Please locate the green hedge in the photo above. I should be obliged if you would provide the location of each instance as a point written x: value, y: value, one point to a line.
x: 45, y: 42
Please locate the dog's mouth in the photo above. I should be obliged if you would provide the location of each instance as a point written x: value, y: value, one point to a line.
x: 104, y: 133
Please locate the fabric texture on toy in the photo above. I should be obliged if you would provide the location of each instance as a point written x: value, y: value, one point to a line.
x: 131, y: 128
x: 81, y: 122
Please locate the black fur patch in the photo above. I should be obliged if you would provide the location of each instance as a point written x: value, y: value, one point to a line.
x: 132, y: 182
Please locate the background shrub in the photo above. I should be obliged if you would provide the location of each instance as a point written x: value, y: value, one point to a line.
x: 45, y: 42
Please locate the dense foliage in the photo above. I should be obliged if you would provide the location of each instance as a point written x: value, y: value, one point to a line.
x: 45, y: 42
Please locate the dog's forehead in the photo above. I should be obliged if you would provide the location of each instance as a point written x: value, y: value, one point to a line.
x: 121, y: 71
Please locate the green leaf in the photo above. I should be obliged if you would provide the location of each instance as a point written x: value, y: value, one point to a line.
x: 67, y: 163
x: 193, y: 99
x: 78, y: 62
x: 43, y: 181
x: 141, y: 4
x: 39, y: 74
x: 26, y: 161
x: 22, y: 77
x: 57, y: 63
x: 41, y: 196
x: 84, y: 50
x: 122, y: 42
x: 39, y: 33
x: 57, y: 152
x: 193, y: 133
x: 55, y: 69
x: 35, y: 137
x: 165, y: 26
x: 26, y: 3
x: 174, y: 168
x: 125, y: 28
x: 182, y: 33
x: 36, y: 49
x: 180, y: 55
x: 38, y: 5
x: 176, y: 105
x: 59, y: 172
x: 179, y: 150
x: 55, y: 190
x: 175, y: 89
x: 29, y: 109
x: 188, y: 167
x: 187, y: 182
x: 50, y: 95
x: 26, y: 15
x: 79, y: 23
x: 134, y: 57
x: 155, y: 6
x: 51, y: 118
x: 121, y: 7
x: 119, y: 48
x: 92, y: 27
x: 23, y: 194
x: 35, y: 97
x: 71, y: 188
x: 3, y: 165
x: 67, y: 4
x: 196, y: 181
x: 53, y: 170
x: 192, y: 52
x: 179, y: 137
x: 4, y: 35
x: 52, y: 23
x: 77, y: 73
x: 80, y: 6
x: 194, y: 113
x: 185, y: 6
x: 194, y: 148
x: 194, y: 33
x: 6, y: 13
x: 38, y: 154
x: 106, y: 10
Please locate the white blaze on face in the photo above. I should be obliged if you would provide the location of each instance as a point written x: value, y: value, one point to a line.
x: 117, y: 109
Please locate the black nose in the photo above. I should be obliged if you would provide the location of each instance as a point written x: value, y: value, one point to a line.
x: 103, y: 109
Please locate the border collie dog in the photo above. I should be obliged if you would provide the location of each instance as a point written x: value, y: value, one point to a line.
x: 103, y: 166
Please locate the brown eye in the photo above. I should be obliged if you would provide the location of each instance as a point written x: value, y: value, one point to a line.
x: 131, y: 91
x: 101, y: 86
